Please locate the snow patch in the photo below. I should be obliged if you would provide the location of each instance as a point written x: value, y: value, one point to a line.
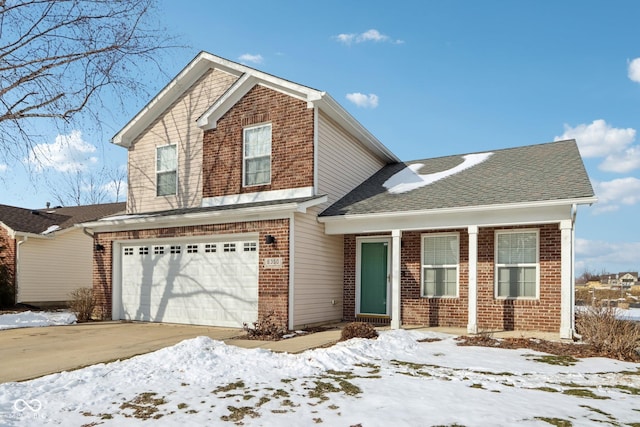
x: 30, y: 319
x: 409, y: 179
x: 51, y: 229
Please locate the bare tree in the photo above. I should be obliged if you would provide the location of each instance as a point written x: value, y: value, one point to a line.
x: 88, y: 187
x: 60, y: 58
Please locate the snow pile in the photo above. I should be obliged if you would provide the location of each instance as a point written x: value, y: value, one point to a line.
x: 395, y: 380
x: 30, y: 319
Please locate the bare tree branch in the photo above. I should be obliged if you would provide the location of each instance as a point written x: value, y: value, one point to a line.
x: 59, y: 58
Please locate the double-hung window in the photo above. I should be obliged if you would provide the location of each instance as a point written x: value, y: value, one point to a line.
x: 257, y: 155
x: 166, y: 170
x: 440, y: 261
x: 517, y: 266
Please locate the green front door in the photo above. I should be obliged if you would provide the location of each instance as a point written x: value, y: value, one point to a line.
x: 373, y: 277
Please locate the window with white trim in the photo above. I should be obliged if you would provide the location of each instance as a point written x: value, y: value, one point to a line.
x: 256, y: 155
x: 517, y: 264
x: 440, y: 264
x: 166, y: 170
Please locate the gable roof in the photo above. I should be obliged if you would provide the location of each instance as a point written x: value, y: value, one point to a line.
x: 536, y: 173
x: 45, y: 221
x: 247, y: 78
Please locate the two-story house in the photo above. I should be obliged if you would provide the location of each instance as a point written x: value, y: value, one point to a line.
x: 250, y: 194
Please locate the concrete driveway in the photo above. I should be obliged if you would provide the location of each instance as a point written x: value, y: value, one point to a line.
x: 33, y: 352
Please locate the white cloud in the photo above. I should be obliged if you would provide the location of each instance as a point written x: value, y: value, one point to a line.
x: 371, y: 35
x: 248, y: 57
x: 598, y: 139
x: 362, y: 100
x: 622, y: 162
x: 69, y: 153
x: 3, y: 167
x: 612, y: 194
x: 594, y: 256
x: 634, y: 70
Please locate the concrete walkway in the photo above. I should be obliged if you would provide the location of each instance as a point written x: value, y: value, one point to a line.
x: 29, y: 353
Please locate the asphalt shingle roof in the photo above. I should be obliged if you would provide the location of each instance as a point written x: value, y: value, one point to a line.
x: 36, y: 221
x: 544, y: 172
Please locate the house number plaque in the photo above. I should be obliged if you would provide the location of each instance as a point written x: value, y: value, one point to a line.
x: 273, y: 263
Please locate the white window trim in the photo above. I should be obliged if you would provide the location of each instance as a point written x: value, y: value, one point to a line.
x: 244, y: 159
x: 536, y: 264
x: 423, y: 266
x: 162, y: 171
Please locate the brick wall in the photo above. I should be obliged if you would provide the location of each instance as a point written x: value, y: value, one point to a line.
x: 8, y: 252
x: 273, y: 284
x: 542, y: 314
x: 291, y: 145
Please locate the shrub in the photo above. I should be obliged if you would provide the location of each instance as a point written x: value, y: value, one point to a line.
x: 82, y: 303
x: 358, y: 330
x: 268, y: 327
x: 617, y: 338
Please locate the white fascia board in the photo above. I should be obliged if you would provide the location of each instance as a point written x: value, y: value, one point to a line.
x: 334, y: 110
x: 199, y: 218
x: 208, y: 120
x: 176, y: 87
x: 259, y: 196
x: 33, y: 235
x: 483, y: 216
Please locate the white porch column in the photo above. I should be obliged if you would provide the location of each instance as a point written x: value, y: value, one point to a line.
x: 566, y: 284
x: 472, y: 325
x: 395, y: 279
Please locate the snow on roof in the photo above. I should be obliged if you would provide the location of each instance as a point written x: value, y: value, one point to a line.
x: 409, y: 179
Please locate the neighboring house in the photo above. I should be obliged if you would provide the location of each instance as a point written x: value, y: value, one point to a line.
x: 251, y: 195
x: 625, y: 278
x: 48, y: 255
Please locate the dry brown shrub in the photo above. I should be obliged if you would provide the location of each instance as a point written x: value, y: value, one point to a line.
x: 358, y: 330
x: 82, y: 303
x: 607, y: 334
x: 268, y: 327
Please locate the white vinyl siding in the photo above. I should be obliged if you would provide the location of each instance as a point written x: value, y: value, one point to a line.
x: 177, y: 125
x: 318, y: 272
x: 343, y: 162
x: 166, y: 170
x: 256, y: 155
x: 49, y: 269
x: 517, y: 264
x: 440, y: 265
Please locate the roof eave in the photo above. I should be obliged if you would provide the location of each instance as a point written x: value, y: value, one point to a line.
x: 177, y: 220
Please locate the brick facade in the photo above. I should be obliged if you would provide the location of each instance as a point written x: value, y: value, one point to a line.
x: 542, y: 314
x: 8, y: 252
x: 291, y: 145
x: 273, y: 284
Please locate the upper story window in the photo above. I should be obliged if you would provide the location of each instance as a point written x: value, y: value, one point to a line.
x: 440, y: 261
x: 517, y: 265
x: 166, y: 170
x: 256, y: 155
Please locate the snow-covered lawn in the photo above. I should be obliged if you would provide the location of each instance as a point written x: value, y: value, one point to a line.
x: 31, y: 319
x: 396, y: 380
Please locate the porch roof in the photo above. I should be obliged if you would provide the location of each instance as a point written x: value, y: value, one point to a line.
x: 550, y: 172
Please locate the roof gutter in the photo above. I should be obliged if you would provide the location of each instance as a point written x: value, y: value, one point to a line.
x: 466, y: 209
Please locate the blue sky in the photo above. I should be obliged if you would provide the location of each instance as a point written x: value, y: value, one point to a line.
x: 429, y: 78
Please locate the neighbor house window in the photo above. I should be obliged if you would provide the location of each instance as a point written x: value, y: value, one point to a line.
x: 517, y: 264
x: 257, y: 155
x: 166, y: 170
x: 440, y: 258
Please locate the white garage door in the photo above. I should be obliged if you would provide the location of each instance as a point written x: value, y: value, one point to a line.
x: 195, y: 282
